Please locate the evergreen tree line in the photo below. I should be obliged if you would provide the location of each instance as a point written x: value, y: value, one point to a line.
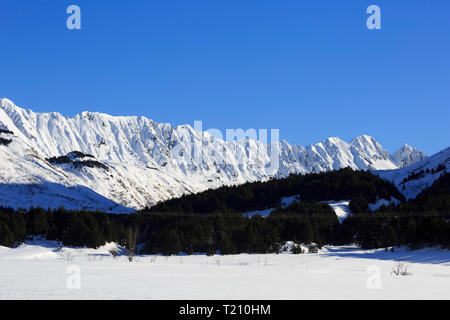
x: 4, y: 141
x: 419, y: 222
x: 172, y: 233
x: 361, y: 187
x: 420, y: 174
x: 72, y: 159
x: 422, y: 221
x: 303, y: 222
x: 73, y: 228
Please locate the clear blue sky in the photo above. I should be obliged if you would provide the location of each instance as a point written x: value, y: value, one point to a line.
x: 310, y: 68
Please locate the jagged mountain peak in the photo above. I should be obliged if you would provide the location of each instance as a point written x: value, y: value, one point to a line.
x: 366, y: 142
x: 407, y: 155
x: 406, y: 146
x: 373, y: 151
x: 363, y: 139
x: 150, y: 162
x: 6, y: 101
x: 8, y: 106
x: 333, y: 140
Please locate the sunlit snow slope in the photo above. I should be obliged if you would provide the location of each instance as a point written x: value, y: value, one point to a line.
x: 413, y: 179
x: 144, y: 162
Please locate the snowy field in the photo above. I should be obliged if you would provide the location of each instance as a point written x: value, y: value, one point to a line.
x: 41, y: 270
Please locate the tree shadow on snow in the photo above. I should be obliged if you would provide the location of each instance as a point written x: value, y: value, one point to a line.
x: 54, y: 195
x: 426, y: 255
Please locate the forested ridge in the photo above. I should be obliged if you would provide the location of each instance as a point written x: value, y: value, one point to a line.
x: 423, y: 221
x: 420, y: 222
x: 361, y: 187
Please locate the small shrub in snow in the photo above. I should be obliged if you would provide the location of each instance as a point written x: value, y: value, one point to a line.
x: 69, y: 256
x: 296, y: 249
x: 114, y: 252
x: 131, y: 244
x: 400, y: 269
x: 313, y: 248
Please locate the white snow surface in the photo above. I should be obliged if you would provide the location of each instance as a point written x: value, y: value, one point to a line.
x: 285, y: 201
x: 262, y: 213
x: 39, y: 270
x: 341, y: 209
x: 140, y: 156
x: 382, y: 202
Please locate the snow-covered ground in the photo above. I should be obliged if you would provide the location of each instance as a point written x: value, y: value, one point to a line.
x: 382, y: 202
x: 41, y: 270
x: 341, y: 209
x: 286, y: 201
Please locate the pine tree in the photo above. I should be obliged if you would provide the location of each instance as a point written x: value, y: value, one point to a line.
x: 6, y: 236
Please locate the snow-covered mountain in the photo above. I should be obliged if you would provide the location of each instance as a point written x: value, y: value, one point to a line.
x: 133, y: 162
x: 407, y: 155
x: 413, y: 179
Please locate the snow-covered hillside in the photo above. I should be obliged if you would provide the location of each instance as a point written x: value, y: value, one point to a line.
x: 141, y: 162
x: 413, y: 179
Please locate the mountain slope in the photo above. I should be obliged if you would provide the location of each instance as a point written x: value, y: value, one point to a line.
x: 147, y: 162
x: 413, y: 179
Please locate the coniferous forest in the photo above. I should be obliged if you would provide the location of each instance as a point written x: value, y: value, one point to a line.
x: 212, y: 221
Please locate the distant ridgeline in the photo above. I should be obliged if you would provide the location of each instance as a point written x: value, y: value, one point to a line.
x: 220, y: 228
x: 361, y: 187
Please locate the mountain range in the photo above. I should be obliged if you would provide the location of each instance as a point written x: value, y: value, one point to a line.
x: 118, y: 164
